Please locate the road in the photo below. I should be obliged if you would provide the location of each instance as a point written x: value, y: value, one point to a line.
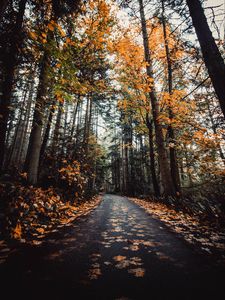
x: 118, y: 251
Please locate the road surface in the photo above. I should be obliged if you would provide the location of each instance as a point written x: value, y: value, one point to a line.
x: 118, y: 251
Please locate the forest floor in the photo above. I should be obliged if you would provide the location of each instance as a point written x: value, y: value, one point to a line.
x: 117, y: 251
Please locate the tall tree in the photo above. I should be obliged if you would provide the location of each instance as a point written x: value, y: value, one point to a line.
x: 34, y: 149
x: 172, y: 151
x: 10, y: 56
x: 211, y: 54
x: 152, y: 156
x: 163, y: 159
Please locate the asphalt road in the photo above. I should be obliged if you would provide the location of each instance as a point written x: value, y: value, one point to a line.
x: 118, y: 251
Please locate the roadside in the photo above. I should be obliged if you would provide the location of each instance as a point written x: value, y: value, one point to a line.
x: 31, y: 232
x: 208, y: 237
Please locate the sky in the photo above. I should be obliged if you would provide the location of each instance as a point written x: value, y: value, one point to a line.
x: 220, y: 14
x: 214, y: 2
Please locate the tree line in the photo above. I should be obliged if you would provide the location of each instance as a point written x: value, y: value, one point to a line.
x: 69, y: 68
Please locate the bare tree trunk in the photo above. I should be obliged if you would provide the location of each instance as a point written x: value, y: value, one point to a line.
x: 211, y: 54
x: 163, y: 159
x: 47, y: 132
x: 152, y: 157
x: 88, y: 120
x: 11, y: 61
x: 123, y: 179
x: 57, y: 129
x: 172, y: 151
x: 13, y: 156
x: 74, y: 118
x: 33, y: 153
x: 126, y: 168
x: 214, y: 130
x: 132, y: 173
x: 23, y: 143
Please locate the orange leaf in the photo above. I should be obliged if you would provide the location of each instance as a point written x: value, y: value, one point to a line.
x: 17, y: 231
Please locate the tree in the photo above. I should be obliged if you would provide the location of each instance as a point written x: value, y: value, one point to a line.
x: 211, y: 54
x: 173, y: 155
x: 10, y: 59
x: 34, y: 148
x: 163, y: 159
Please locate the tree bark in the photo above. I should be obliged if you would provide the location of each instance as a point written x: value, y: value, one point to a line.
x: 23, y: 142
x: 56, y: 134
x: 11, y: 61
x: 47, y: 132
x: 74, y: 118
x: 152, y: 157
x: 15, y: 146
x: 214, y: 129
x: 33, y: 153
x: 172, y: 151
x: 211, y: 54
x: 163, y: 159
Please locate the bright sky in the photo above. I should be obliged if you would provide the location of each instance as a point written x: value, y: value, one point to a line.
x: 214, y: 2
x: 219, y: 13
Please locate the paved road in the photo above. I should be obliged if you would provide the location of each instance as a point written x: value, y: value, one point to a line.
x: 116, y: 252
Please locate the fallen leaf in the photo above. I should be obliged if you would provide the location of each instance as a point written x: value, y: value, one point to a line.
x: 119, y: 258
x: 138, y: 272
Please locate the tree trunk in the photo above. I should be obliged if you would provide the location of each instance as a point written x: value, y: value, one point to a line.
x: 23, y: 142
x: 88, y: 120
x: 132, y: 175
x: 57, y: 129
x: 126, y: 169
x: 211, y: 54
x: 172, y: 151
x: 33, y: 153
x: 214, y: 129
x: 152, y: 157
x: 47, y: 132
x: 13, y: 155
x: 74, y: 118
x: 163, y: 159
x: 11, y: 61
x: 123, y: 179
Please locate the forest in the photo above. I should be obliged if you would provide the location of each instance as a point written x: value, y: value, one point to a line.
x: 120, y: 97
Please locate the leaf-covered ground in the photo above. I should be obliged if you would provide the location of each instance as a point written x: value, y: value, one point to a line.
x: 32, y: 213
x: 209, y: 237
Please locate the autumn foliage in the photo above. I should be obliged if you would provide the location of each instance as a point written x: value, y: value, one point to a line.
x: 35, y: 212
x: 96, y: 97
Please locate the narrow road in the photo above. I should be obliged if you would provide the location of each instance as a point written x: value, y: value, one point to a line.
x: 118, y: 251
